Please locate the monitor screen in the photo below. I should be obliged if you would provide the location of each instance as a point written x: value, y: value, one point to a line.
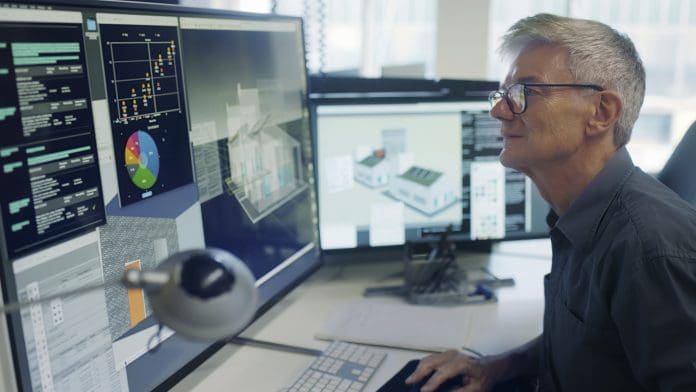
x: 130, y: 132
x: 405, y: 170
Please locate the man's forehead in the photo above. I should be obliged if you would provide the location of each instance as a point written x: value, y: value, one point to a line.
x: 539, y: 63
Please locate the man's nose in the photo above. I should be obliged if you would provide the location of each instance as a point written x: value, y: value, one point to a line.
x: 501, y: 111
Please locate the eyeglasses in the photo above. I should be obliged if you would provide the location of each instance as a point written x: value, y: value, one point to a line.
x: 516, y: 95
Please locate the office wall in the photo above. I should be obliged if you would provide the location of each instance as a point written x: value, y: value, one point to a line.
x: 462, y: 39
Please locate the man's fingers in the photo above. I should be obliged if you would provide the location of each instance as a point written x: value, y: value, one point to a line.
x: 428, y: 364
x: 423, y: 370
x: 460, y: 368
x: 439, y: 377
x: 416, y: 376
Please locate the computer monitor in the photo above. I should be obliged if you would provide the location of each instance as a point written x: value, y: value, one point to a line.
x: 128, y: 132
x: 405, y: 167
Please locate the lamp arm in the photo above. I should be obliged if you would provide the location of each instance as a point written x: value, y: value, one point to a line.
x: 132, y: 279
x: 150, y: 281
x: 15, y: 306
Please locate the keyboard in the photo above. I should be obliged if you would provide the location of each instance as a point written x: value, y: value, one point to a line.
x: 342, y: 367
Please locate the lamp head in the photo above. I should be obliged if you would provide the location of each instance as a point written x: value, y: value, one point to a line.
x: 205, y: 294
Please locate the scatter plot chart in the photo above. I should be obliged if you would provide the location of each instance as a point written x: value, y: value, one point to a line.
x: 145, y: 78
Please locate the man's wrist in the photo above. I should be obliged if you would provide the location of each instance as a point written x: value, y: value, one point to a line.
x: 506, y: 366
x: 499, y: 367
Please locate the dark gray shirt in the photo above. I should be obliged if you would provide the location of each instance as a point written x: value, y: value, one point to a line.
x: 621, y: 296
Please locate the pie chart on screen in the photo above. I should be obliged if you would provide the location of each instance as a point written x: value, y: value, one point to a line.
x: 142, y: 159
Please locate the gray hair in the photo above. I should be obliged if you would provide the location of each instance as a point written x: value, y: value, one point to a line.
x: 598, y: 54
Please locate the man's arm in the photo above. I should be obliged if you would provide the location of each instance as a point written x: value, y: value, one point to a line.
x: 521, y: 361
x: 479, y: 374
x: 654, y: 309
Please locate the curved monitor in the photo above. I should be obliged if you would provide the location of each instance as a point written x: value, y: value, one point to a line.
x: 132, y: 131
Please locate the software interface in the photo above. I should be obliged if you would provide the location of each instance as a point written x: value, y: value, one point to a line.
x: 395, y: 172
x: 127, y: 135
x: 145, y: 95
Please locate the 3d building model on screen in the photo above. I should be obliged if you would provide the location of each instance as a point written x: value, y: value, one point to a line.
x: 265, y: 161
x: 429, y: 191
x: 425, y: 190
x: 373, y: 170
x: 376, y: 169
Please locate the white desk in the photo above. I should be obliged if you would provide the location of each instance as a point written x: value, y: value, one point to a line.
x: 303, y: 311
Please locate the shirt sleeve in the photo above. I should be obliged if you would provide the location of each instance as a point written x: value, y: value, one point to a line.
x: 654, y: 308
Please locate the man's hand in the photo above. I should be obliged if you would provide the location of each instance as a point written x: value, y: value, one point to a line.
x: 478, y: 374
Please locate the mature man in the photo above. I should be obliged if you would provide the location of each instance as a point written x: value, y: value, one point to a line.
x: 620, y: 309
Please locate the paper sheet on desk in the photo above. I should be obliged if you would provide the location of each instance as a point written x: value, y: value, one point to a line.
x: 413, y: 327
x: 505, y: 325
x: 488, y: 328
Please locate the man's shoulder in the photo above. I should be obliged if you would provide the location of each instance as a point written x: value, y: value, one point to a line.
x: 663, y: 221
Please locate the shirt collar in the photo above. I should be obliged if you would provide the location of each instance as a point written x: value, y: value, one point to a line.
x: 579, y: 224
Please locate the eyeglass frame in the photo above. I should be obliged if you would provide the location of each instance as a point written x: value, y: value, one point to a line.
x: 504, y: 93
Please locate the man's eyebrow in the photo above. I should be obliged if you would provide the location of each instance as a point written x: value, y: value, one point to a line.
x: 524, y: 79
x: 528, y: 79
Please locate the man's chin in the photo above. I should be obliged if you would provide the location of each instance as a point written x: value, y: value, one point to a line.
x: 507, y: 160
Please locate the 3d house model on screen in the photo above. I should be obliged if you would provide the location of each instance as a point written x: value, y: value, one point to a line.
x: 425, y: 190
x: 265, y: 169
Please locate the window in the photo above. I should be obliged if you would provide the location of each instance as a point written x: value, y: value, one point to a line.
x: 367, y: 37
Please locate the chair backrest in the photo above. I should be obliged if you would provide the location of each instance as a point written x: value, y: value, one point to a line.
x: 679, y: 173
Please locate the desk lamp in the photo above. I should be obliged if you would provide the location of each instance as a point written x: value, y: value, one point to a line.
x: 204, y: 294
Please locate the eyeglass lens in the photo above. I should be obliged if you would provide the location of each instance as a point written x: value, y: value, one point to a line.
x: 514, y: 96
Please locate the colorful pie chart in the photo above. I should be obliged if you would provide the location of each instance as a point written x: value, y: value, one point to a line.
x: 142, y: 159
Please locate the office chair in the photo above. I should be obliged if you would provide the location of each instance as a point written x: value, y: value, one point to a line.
x: 678, y: 173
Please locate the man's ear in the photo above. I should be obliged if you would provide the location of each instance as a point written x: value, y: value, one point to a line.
x: 606, y: 112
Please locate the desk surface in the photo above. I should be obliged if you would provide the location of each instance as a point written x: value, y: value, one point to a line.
x: 296, y: 318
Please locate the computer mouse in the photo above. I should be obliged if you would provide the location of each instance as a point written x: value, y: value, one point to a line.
x: 398, y: 382
x: 449, y: 385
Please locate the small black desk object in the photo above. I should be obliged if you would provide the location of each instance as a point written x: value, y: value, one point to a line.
x: 398, y: 384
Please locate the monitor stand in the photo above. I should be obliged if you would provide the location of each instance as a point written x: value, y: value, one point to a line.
x: 432, y: 275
